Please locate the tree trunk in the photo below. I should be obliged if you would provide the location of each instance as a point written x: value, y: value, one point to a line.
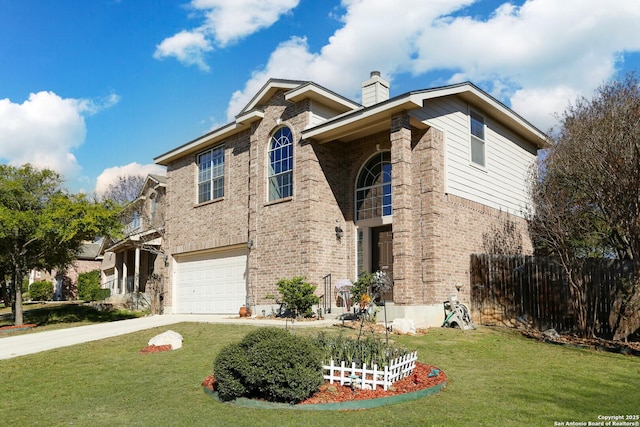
x: 17, y: 299
x: 4, y: 294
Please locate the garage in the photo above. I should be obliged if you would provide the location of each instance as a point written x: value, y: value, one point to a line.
x: 211, y: 283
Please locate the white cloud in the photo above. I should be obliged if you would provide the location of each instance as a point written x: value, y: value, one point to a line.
x: 536, y: 57
x: 225, y: 21
x: 188, y: 47
x: 291, y: 60
x: 231, y: 20
x: 45, y: 128
x: 541, y: 105
x: 111, y: 175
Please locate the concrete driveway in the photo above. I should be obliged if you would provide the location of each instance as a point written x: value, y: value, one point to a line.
x: 41, y: 341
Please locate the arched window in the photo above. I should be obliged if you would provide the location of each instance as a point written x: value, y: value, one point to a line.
x: 281, y: 164
x: 373, y: 188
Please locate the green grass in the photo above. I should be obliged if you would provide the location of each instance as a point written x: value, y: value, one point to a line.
x: 48, y: 316
x: 496, y: 378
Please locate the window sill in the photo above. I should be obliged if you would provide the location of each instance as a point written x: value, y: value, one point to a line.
x: 479, y: 167
x: 277, y: 202
x: 208, y: 202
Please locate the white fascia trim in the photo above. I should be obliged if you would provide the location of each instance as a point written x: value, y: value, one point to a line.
x: 249, y: 117
x: 270, y: 86
x: 314, y: 92
x: 504, y: 110
x: 199, y: 143
x: 406, y: 103
x: 414, y: 100
x: 491, y: 105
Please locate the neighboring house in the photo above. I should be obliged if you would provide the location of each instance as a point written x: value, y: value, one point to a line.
x: 65, y: 282
x: 130, y: 263
x: 308, y: 183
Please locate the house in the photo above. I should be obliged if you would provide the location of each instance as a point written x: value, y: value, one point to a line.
x: 65, y: 282
x: 305, y: 182
x: 132, y: 263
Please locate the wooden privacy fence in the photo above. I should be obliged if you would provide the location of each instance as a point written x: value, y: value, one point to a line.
x: 534, y: 292
x: 397, y: 369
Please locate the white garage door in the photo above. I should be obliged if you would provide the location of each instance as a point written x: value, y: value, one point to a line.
x: 211, y: 283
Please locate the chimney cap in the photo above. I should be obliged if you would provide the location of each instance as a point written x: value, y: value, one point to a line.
x: 375, y: 73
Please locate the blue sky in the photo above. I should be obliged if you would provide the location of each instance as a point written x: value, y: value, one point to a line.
x: 96, y: 89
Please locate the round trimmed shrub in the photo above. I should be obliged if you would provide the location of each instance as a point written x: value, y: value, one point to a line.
x: 269, y: 363
x: 229, y: 369
x: 286, y: 368
x: 263, y: 334
x: 41, y: 291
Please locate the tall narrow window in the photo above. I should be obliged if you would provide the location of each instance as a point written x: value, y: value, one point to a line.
x: 281, y: 164
x: 373, y: 190
x: 211, y: 175
x: 135, y: 223
x: 477, y: 139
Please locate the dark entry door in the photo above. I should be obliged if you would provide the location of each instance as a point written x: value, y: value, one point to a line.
x: 382, y: 254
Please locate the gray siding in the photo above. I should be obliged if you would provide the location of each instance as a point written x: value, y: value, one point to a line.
x: 502, y: 184
x: 320, y: 113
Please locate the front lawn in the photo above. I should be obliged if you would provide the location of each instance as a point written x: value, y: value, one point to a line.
x: 496, y: 378
x: 57, y: 315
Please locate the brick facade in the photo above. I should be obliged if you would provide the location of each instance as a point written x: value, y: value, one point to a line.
x: 434, y: 233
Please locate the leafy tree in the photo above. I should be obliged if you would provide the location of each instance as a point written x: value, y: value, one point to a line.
x: 585, y: 194
x: 42, y: 226
x: 125, y: 190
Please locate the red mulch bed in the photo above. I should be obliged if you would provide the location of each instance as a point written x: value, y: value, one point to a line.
x: 155, y: 349
x: 335, y: 393
x: 24, y: 326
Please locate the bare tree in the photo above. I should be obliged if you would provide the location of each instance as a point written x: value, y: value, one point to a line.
x: 585, y: 196
x: 125, y: 190
x: 504, y: 238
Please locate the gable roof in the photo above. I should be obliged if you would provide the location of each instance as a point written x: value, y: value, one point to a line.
x: 355, y: 124
x: 296, y: 90
x: 268, y: 90
x: 90, y: 250
x: 151, y: 181
x: 354, y: 120
x: 159, y: 179
x: 313, y: 91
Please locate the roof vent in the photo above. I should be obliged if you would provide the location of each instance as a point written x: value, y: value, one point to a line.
x: 374, y: 90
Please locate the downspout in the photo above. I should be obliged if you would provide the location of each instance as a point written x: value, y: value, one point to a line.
x: 251, y: 297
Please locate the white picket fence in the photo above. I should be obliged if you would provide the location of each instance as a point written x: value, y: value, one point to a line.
x: 398, y: 369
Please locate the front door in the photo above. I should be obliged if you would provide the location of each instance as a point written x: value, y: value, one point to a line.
x: 382, y: 254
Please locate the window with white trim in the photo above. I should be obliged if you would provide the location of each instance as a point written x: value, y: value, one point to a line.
x: 477, y: 141
x: 281, y: 164
x: 211, y: 175
x: 373, y: 188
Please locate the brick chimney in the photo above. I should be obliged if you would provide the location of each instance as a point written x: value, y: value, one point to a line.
x: 374, y: 90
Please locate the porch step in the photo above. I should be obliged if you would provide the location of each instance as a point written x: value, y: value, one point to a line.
x: 336, y: 312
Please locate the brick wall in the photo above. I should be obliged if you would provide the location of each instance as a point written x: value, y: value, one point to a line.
x: 451, y: 228
x: 434, y: 233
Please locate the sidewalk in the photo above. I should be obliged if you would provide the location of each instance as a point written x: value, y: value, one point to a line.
x: 41, y: 341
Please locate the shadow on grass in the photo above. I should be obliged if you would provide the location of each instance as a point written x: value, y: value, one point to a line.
x: 72, y: 313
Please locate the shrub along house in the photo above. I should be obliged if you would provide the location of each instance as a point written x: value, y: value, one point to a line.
x: 65, y: 281
x: 308, y: 183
